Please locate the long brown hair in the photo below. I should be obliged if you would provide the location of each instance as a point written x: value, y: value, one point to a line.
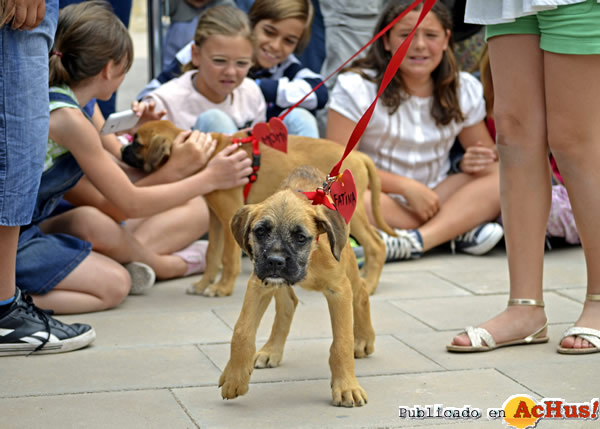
x: 88, y: 36
x: 220, y: 21
x: 445, y: 106
x: 277, y: 10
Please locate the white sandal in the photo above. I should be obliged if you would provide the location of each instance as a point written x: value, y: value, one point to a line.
x: 590, y: 335
x: 478, y: 336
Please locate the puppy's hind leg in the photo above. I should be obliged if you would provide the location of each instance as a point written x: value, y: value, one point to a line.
x: 236, y: 376
x: 269, y: 356
x: 213, y: 256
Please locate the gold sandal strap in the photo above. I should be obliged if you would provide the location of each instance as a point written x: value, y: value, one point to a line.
x: 525, y: 301
x: 592, y: 297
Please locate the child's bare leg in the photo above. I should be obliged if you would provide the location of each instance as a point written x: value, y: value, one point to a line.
x: 97, y: 283
x: 112, y: 240
x: 172, y: 230
x: 466, y: 201
x: 573, y: 103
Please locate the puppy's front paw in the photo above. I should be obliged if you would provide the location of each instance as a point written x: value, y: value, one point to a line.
x: 198, y: 287
x: 348, y: 394
x: 217, y: 290
x: 267, y: 359
x: 234, y: 382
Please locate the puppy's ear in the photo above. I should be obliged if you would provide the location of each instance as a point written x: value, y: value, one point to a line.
x: 331, y: 222
x: 240, y: 227
x: 157, y: 153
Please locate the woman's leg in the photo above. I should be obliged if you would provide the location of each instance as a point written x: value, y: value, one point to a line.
x: 573, y: 103
x: 520, y: 116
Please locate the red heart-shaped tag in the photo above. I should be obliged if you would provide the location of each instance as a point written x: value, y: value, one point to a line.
x: 343, y: 193
x: 273, y: 134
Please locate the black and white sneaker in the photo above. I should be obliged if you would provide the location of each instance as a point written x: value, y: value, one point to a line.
x: 407, y: 244
x: 27, y: 329
x: 480, y: 240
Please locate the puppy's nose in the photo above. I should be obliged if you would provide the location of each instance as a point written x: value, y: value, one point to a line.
x: 276, y: 261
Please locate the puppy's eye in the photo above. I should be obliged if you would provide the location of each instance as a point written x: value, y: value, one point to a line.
x: 300, y: 238
x: 260, y: 232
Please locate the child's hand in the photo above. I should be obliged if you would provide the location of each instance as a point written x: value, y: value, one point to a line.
x: 190, y: 152
x: 145, y: 111
x: 424, y: 202
x: 25, y: 14
x: 229, y: 168
x: 477, y: 158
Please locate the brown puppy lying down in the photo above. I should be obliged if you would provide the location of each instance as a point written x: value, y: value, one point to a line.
x: 292, y: 242
x: 151, y: 148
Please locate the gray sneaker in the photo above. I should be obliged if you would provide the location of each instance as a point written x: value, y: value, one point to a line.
x: 407, y: 244
x: 142, y: 277
x: 480, y: 240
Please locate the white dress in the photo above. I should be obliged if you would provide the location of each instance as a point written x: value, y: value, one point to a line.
x: 408, y: 143
x: 503, y: 11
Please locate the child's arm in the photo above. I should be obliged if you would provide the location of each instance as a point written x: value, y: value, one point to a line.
x: 293, y: 82
x: 480, y: 150
x: 422, y: 200
x: 71, y: 129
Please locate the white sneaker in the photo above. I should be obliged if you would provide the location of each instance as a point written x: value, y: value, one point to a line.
x: 407, y: 244
x: 142, y: 277
x: 480, y: 240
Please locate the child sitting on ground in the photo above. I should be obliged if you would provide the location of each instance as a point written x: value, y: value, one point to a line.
x: 213, y: 93
x: 426, y: 106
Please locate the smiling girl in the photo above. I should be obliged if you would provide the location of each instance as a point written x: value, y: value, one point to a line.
x: 213, y: 93
x: 281, y: 28
x: 427, y: 105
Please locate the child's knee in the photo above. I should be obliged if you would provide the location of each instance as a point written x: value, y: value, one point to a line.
x: 215, y: 120
x: 118, y: 284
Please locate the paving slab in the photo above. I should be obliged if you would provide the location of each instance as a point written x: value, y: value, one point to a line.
x: 279, y: 405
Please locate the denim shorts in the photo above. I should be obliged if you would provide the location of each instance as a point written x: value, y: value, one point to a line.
x: 571, y: 29
x: 43, y: 260
x: 24, y: 115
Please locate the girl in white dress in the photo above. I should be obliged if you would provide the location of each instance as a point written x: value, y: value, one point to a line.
x: 427, y: 105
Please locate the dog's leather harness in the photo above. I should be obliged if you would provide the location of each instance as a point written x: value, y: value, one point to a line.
x: 255, y: 161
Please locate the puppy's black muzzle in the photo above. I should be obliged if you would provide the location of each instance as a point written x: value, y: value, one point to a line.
x: 130, y: 155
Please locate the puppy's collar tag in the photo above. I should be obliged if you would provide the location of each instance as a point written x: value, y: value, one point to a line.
x: 273, y: 134
x: 343, y: 193
x: 337, y: 193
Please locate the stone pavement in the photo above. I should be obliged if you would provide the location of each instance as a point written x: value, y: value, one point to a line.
x: 157, y: 358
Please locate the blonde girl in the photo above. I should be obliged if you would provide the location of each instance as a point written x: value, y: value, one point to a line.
x: 213, y: 93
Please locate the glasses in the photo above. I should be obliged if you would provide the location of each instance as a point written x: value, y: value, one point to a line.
x: 242, y: 64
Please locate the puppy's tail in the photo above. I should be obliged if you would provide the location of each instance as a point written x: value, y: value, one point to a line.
x: 375, y: 186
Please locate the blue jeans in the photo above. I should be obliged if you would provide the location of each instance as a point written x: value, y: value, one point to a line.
x: 215, y: 120
x: 23, y: 115
x: 300, y: 122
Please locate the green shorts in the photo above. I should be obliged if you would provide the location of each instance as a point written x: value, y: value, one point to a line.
x: 571, y: 29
